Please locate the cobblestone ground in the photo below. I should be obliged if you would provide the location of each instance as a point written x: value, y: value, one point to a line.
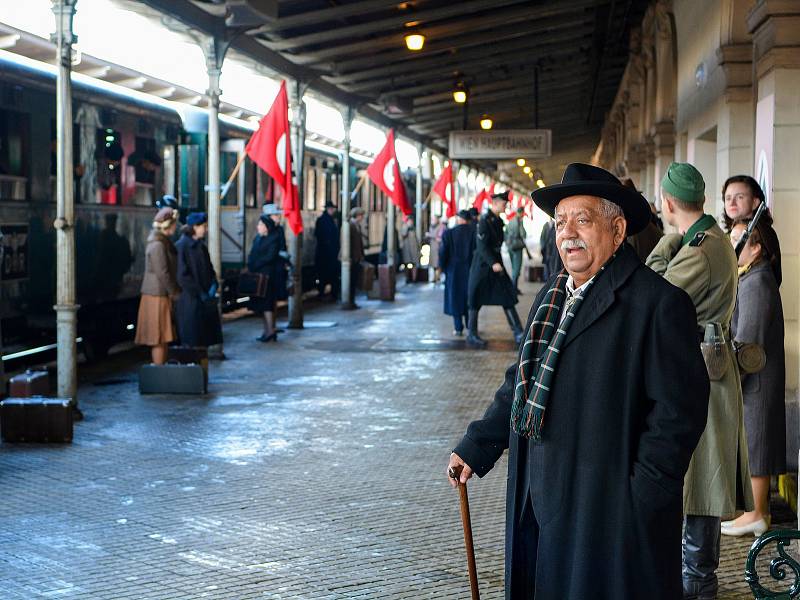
x: 312, y: 469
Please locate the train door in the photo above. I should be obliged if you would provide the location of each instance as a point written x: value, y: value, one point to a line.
x: 191, y: 174
x: 232, y: 215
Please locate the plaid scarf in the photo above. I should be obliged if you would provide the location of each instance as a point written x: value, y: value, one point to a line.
x: 540, y: 353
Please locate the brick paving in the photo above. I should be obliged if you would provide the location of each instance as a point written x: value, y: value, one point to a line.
x: 312, y: 469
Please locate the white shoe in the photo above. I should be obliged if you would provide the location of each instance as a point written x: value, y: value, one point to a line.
x: 757, y: 528
x: 728, y: 523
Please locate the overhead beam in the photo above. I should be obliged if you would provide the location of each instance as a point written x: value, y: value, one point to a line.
x: 441, y: 41
x: 334, y: 13
x: 471, y: 26
x: 410, y: 65
x: 448, y: 11
x: 445, y: 72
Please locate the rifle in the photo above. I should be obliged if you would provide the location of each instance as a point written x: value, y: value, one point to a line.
x: 750, y: 226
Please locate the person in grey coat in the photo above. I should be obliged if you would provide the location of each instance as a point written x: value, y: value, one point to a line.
x: 758, y: 319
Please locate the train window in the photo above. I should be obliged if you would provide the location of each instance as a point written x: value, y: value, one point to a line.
x: 145, y: 160
x: 108, y: 154
x: 14, y: 140
x: 311, y: 182
x: 322, y: 189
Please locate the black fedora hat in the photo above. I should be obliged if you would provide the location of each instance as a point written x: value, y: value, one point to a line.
x: 587, y: 180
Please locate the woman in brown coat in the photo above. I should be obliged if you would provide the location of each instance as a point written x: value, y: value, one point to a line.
x: 155, y: 326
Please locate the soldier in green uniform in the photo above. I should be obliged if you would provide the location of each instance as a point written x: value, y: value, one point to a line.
x: 701, y: 261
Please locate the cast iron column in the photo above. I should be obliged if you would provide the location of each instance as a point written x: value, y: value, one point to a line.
x: 298, y: 144
x: 66, y: 309
x: 418, y: 216
x: 345, y: 210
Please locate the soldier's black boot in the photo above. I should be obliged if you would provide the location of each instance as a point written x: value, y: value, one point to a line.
x: 513, y: 321
x: 700, y: 557
x: 473, y: 339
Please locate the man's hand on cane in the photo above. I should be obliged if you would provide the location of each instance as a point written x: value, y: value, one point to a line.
x: 455, y: 462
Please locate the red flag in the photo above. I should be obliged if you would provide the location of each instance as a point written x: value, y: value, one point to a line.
x: 270, y: 149
x: 385, y: 173
x: 483, y: 195
x: 446, y: 191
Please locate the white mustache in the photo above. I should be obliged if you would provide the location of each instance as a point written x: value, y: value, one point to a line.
x: 570, y: 244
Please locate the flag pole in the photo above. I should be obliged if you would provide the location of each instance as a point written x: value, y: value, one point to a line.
x: 358, y: 186
x: 235, y: 172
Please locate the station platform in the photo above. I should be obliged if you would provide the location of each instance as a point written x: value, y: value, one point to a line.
x: 314, y: 468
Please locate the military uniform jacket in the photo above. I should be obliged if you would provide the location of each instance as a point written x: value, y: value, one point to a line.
x: 705, y: 267
x: 487, y: 288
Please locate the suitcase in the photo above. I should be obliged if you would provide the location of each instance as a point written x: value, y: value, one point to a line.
x: 189, y: 355
x: 386, y: 282
x: 253, y: 284
x: 172, y: 379
x: 36, y: 420
x: 28, y: 384
x: 367, y: 276
x: 535, y: 273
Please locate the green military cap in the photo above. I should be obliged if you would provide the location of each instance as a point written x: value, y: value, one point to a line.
x: 684, y: 182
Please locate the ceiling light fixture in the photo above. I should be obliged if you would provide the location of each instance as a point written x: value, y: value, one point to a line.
x: 415, y: 41
x: 486, y: 122
x: 460, y: 93
x: 520, y: 162
x: 526, y: 170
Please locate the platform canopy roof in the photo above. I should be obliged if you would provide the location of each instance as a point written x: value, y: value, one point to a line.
x: 354, y: 53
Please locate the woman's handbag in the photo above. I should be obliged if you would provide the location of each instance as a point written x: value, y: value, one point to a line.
x: 253, y: 284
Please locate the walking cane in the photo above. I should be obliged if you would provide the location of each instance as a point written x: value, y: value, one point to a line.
x: 455, y: 473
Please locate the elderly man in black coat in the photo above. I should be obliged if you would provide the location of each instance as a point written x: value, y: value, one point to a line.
x: 326, y: 255
x: 611, y: 355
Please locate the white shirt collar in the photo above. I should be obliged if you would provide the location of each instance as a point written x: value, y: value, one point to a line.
x: 572, y: 291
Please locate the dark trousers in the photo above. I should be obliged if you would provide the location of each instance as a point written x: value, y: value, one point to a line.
x: 700, y: 557
x: 526, y: 546
x: 458, y: 322
x: 329, y: 274
x: 355, y: 280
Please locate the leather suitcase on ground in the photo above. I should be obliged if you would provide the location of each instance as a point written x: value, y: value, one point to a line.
x: 189, y: 355
x: 367, y: 276
x: 535, y: 273
x: 28, y: 384
x: 36, y: 420
x: 386, y: 282
x: 172, y: 378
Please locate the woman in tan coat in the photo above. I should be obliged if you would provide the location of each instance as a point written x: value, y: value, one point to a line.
x: 155, y: 326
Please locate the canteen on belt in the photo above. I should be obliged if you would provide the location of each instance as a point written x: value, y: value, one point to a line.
x: 713, y: 349
x: 750, y: 357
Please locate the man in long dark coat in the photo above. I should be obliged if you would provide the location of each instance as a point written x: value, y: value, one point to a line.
x: 594, y: 499
x: 455, y: 257
x: 326, y: 255
x: 489, y: 283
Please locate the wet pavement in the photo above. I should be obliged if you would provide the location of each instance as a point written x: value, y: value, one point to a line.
x: 312, y: 469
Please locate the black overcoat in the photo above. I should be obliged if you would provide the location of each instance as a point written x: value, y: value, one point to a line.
x: 326, y: 254
x: 487, y: 288
x: 196, y: 314
x: 628, y: 405
x: 455, y: 257
x: 265, y: 257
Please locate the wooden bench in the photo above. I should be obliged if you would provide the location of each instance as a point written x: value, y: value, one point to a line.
x: 782, y: 564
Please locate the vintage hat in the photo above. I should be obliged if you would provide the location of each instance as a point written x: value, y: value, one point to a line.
x: 167, y: 201
x: 501, y: 196
x: 473, y: 212
x: 355, y: 211
x: 587, y: 180
x: 465, y: 214
x: 270, y: 209
x: 684, y: 182
x: 196, y: 218
x: 329, y: 204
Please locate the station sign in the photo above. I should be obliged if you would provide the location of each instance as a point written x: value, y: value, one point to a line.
x: 503, y: 143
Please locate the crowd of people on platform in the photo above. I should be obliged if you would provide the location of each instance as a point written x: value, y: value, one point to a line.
x: 658, y: 358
